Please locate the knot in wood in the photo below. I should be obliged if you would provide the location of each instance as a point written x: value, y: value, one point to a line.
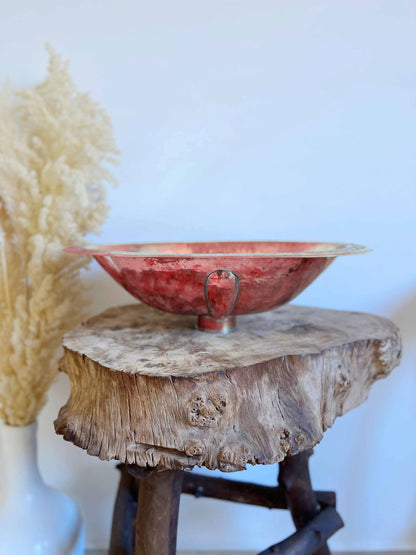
x: 389, y: 354
x: 285, y: 443
x: 343, y: 382
x: 205, y: 412
x: 195, y: 448
x: 233, y: 457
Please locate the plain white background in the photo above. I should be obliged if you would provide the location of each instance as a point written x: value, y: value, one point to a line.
x: 256, y: 120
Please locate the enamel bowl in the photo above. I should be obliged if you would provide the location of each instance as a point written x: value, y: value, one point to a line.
x: 216, y: 281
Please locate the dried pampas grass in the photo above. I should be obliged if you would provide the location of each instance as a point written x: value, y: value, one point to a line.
x: 55, y: 143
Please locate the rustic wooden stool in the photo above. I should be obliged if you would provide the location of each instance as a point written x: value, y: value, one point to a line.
x: 161, y: 397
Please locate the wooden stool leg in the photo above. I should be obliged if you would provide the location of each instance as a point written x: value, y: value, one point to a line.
x: 124, y: 514
x: 295, y: 480
x: 157, y: 513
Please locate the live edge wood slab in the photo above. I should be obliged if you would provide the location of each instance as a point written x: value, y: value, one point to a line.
x: 150, y: 390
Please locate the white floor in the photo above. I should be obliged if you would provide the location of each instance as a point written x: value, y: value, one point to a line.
x: 103, y: 552
x: 334, y: 553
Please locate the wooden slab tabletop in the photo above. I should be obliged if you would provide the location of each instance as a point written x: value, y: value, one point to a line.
x: 139, y: 339
x: 147, y: 388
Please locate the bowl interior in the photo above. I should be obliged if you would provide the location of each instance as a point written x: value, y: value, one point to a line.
x: 225, y: 248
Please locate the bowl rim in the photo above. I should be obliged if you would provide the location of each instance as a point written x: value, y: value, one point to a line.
x: 333, y: 250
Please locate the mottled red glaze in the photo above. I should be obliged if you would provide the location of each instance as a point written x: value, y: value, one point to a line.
x: 221, y: 293
x: 184, y: 278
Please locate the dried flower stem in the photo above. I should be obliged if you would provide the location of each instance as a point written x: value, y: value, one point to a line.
x: 4, y: 272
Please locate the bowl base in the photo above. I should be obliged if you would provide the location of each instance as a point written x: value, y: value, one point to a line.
x: 225, y: 325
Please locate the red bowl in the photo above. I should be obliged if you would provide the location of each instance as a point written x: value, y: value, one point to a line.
x: 216, y: 281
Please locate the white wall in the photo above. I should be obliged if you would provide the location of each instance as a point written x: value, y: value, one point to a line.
x: 256, y: 119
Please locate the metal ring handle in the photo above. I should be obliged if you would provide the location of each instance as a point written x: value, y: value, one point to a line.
x: 222, y: 274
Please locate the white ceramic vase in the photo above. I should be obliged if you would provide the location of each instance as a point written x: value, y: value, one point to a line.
x: 34, y: 518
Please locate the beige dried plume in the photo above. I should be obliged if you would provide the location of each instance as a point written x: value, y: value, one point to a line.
x: 55, y: 143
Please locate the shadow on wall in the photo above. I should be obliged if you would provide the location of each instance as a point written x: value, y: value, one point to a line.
x: 376, y: 483
x: 405, y: 317
x: 103, y: 291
